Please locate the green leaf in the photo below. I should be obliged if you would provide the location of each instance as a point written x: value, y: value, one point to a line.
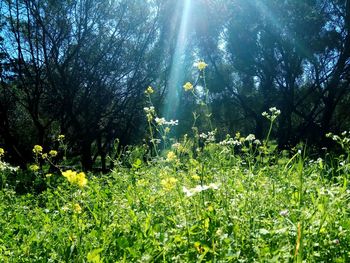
x: 94, y: 256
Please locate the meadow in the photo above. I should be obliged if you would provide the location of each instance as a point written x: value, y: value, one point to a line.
x: 193, y: 199
x: 229, y: 201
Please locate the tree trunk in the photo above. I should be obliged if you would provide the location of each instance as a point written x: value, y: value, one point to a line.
x: 86, y: 159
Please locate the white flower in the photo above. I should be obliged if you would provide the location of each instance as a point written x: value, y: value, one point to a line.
x: 160, y: 121
x: 214, y: 186
x: 176, y: 145
x: 257, y: 142
x: 188, y: 192
x: 172, y: 122
x: 199, y: 188
x: 250, y: 138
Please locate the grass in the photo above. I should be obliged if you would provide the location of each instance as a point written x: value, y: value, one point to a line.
x: 217, y: 203
x: 239, y: 200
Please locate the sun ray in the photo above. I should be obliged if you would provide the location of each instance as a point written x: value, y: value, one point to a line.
x: 176, y: 78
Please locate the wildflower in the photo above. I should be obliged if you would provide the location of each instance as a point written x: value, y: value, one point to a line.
x: 2, y: 152
x: 176, y: 145
x: 199, y: 188
x: 149, y: 113
x: 53, y: 153
x: 37, y: 149
x: 187, y: 192
x: 48, y: 175
x: 188, y: 86
x: 284, y: 212
x: 214, y: 186
x: 156, y: 141
x: 149, y: 90
x: 274, y: 112
x: 149, y: 109
x: 81, y: 179
x: 250, y: 138
x: 77, y: 208
x: 74, y: 178
x: 149, y: 117
x: 60, y: 137
x: 196, y: 177
x: 237, y: 135
x: 44, y: 155
x: 257, y: 142
x: 70, y: 175
x: 167, y: 130
x: 201, y: 65
x: 168, y: 183
x: 328, y: 135
x: 172, y: 122
x: 160, y: 121
x: 34, y: 167
x: 171, y: 156
x: 65, y: 208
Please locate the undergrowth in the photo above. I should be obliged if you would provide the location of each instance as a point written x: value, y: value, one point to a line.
x: 191, y: 200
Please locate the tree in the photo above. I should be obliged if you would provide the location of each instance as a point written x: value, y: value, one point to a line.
x: 289, y: 54
x: 82, y: 67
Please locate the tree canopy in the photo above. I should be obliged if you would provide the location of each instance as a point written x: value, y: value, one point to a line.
x: 80, y: 68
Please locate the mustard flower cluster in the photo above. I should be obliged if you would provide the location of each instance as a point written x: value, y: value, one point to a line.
x: 149, y: 90
x: 53, y: 153
x: 75, y: 178
x: 77, y: 208
x: 34, y: 167
x: 188, y: 86
x: 37, y: 149
x: 171, y: 156
x: 168, y: 183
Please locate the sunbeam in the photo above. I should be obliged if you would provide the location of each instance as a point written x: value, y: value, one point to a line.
x: 176, y: 78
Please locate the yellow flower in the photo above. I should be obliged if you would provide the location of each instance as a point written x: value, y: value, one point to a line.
x: 70, y: 175
x: 60, y: 137
x: 44, y: 155
x: 149, y: 90
x: 34, y: 167
x: 77, y: 208
x: 81, y: 179
x: 53, y: 153
x: 2, y: 152
x: 74, y: 178
x: 196, y: 177
x: 188, y: 86
x: 168, y: 183
x: 201, y: 65
x: 37, y: 149
x: 48, y: 175
x: 171, y: 156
